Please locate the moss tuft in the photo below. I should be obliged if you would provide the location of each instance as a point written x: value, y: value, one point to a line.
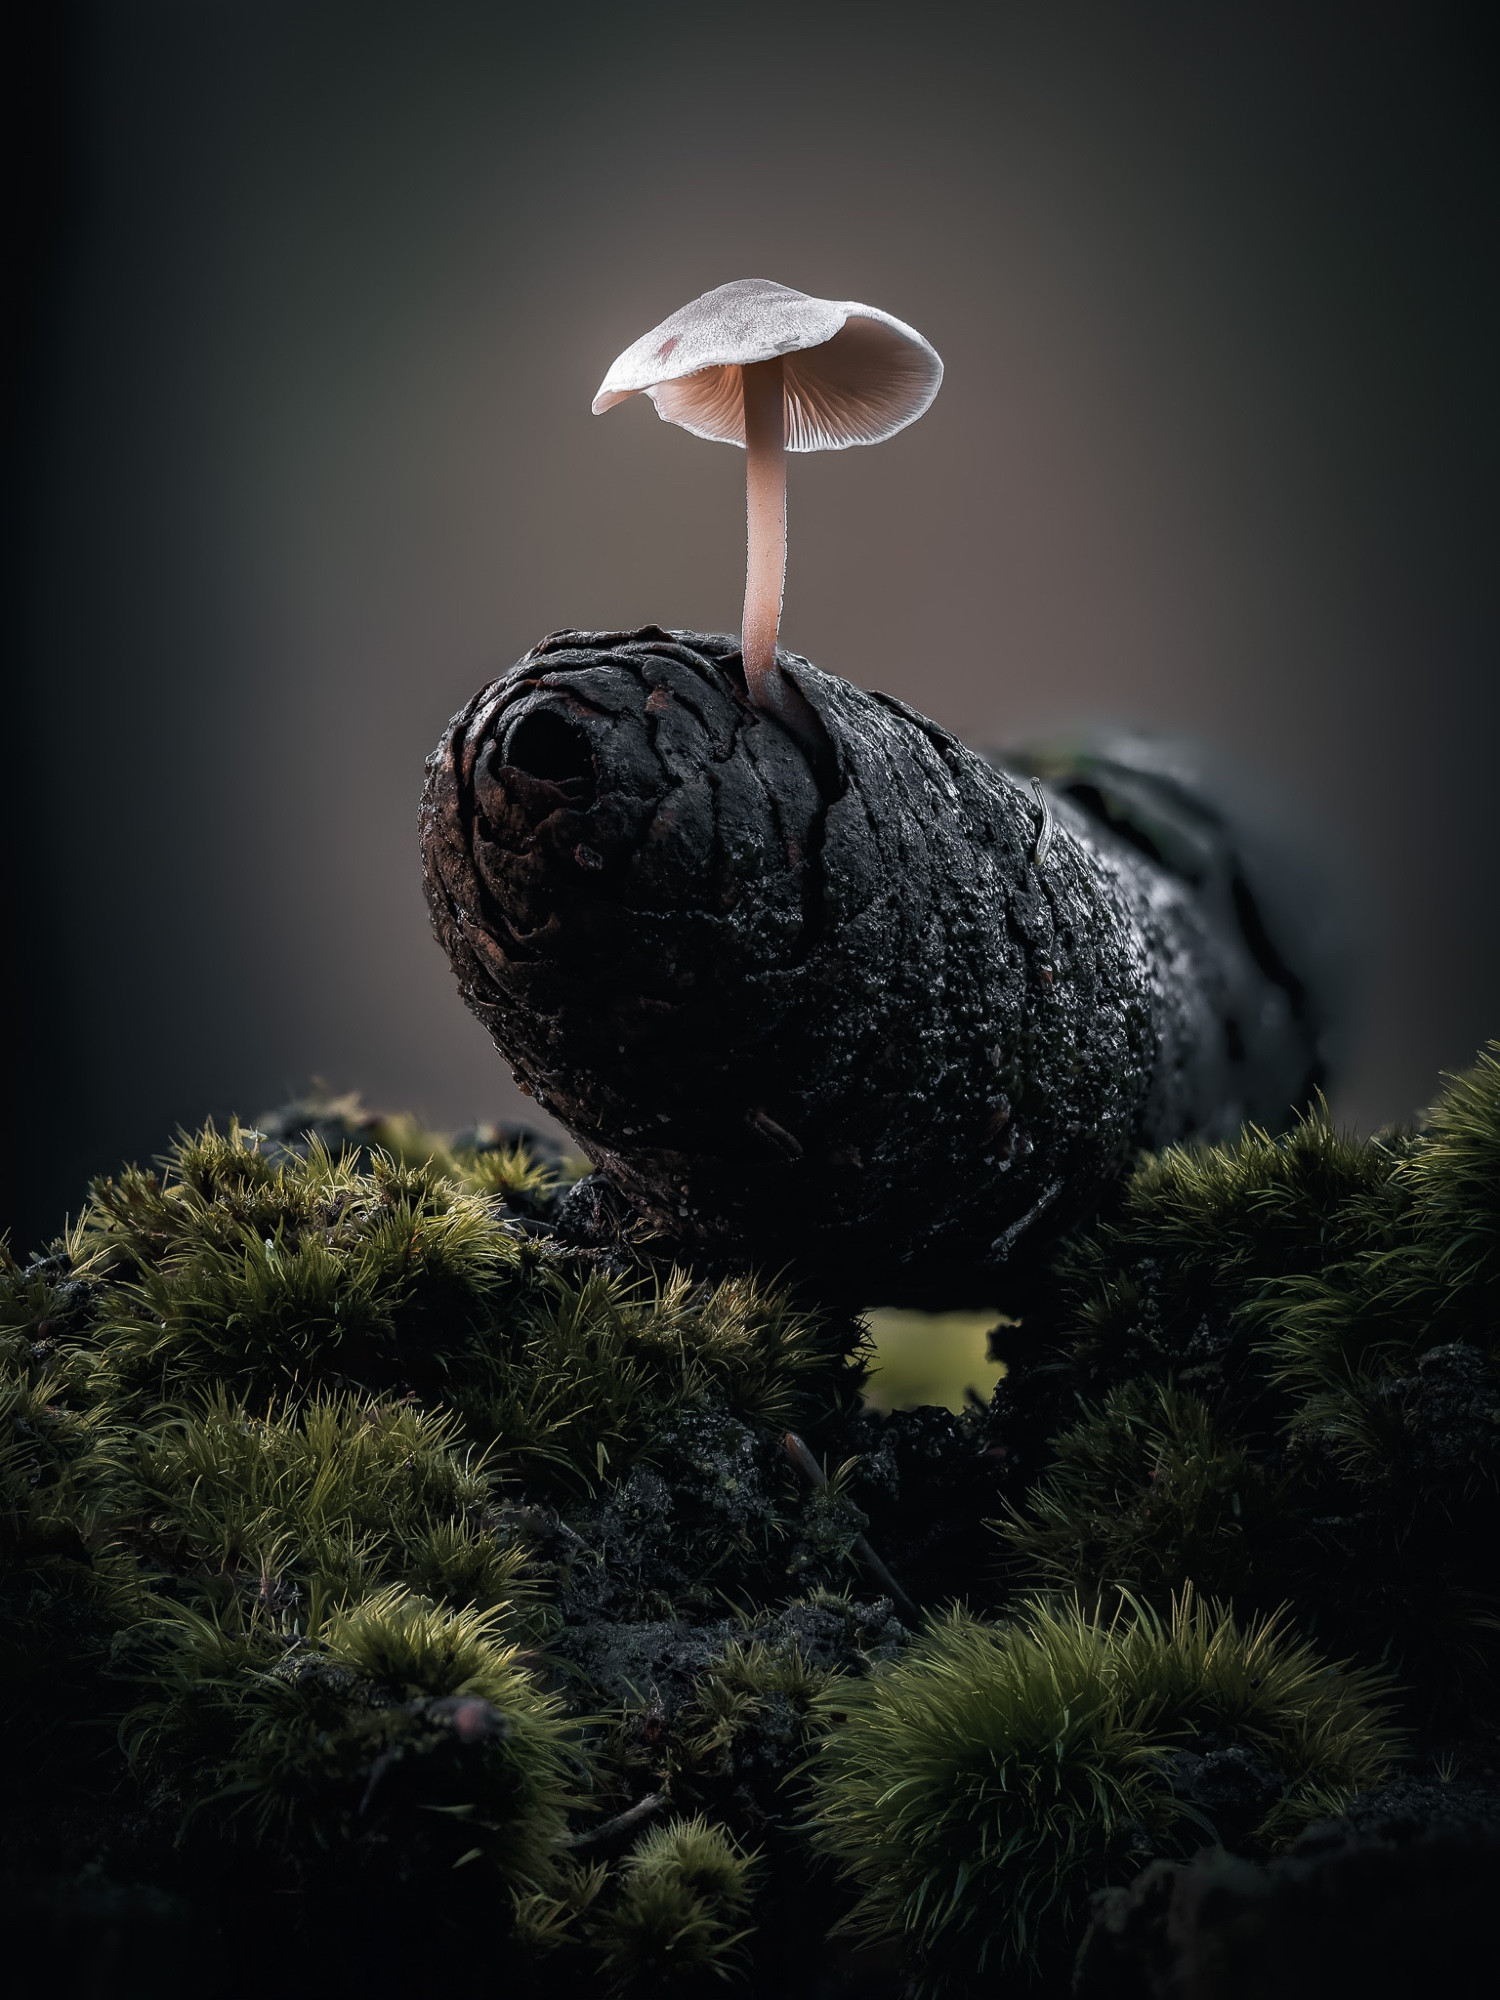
x: 321, y: 1495
x: 1146, y: 1491
x: 981, y: 1788
x: 671, y: 1926
x: 320, y: 1734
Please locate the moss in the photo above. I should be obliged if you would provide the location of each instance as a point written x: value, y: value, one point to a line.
x: 262, y: 1276
x: 527, y: 1170
x: 313, y: 1465
x: 1204, y: 1234
x: 1147, y: 1490
x: 1274, y: 1372
x: 671, y: 1926
x: 982, y: 1787
x: 747, y: 1724
x: 326, y: 1494
x: 66, y: 1589
x: 593, y: 1366
x: 318, y: 1733
x: 368, y: 1556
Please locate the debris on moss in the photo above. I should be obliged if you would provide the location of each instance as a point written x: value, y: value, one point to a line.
x: 370, y: 1555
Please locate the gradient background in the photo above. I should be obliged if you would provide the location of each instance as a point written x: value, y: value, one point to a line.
x: 302, y: 452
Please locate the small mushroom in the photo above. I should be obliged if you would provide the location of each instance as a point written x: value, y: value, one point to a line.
x: 760, y: 365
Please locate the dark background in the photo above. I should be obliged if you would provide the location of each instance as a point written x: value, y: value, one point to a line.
x: 315, y: 297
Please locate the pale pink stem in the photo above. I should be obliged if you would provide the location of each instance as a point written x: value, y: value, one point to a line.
x: 765, y: 531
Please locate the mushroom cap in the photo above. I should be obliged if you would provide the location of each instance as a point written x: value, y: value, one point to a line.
x: 854, y: 374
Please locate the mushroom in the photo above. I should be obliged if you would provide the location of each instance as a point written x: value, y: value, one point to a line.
x: 760, y: 365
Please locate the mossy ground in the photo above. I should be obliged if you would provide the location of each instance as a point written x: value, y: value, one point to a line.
x: 392, y: 1593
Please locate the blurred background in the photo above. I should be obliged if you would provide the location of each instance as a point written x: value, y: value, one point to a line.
x: 299, y: 452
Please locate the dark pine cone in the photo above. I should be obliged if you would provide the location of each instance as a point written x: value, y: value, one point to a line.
x: 857, y: 1004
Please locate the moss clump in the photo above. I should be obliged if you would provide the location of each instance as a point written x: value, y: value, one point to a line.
x: 982, y: 1787
x: 392, y: 1728
x: 669, y: 1920
x: 671, y: 1925
x: 258, y: 1274
x: 1149, y: 1488
x: 319, y: 1471
x: 1274, y: 1371
x: 319, y: 1496
x: 749, y: 1721
x: 370, y: 1556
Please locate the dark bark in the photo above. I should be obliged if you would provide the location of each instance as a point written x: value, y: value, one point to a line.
x: 858, y: 1005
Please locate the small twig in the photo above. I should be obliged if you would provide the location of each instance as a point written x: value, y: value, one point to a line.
x: 621, y: 1823
x: 804, y: 1461
x: 813, y: 1472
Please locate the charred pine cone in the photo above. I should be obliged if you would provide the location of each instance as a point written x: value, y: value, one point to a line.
x: 863, y: 1004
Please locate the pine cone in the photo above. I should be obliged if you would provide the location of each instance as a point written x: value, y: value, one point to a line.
x: 859, y: 1003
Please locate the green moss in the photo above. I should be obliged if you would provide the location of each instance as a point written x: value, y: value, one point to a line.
x: 670, y: 1919
x: 297, y: 1274
x: 746, y: 1725
x: 676, y: 1922
x: 980, y: 1789
x: 367, y: 1557
x: 1285, y: 1357
x: 1348, y: 1339
x: 487, y: 1159
x: 324, y: 1495
x: 1149, y: 1490
x: 288, y: 1440
x: 66, y: 1588
x: 316, y: 1733
x: 1204, y: 1234
x: 591, y: 1369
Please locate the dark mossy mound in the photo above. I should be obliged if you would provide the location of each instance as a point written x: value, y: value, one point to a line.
x: 1274, y: 1370
x: 395, y: 1594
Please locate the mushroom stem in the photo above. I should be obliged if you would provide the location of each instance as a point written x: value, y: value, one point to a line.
x: 765, y: 530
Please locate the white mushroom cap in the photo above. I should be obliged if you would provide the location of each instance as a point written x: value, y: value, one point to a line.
x: 853, y: 374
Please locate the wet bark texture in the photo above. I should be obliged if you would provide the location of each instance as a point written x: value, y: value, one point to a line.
x: 856, y: 1002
